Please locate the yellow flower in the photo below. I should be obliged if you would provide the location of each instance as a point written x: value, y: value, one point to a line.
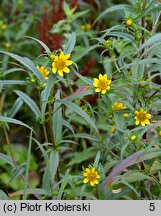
x: 91, y: 176
x: 82, y: 27
x: 113, y: 129
x: 7, y: 45
x: 129, y: 22
x: 126, y: 115
x: 60, y: 63
x: 118, y: 106
x: 159, y: 133
x: 102, y: 84
x: 43, y: 71
x: 143, y: 83
x: 3, y: 27
x: 133, y: 137
x: 88, y: 26
x: 142, y: 117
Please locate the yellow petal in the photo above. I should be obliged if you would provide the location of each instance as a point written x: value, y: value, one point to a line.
x: 92, y: 184
x: 68, y: 62
x: 53, y: 64
x: 147, y: 121
x: 100, y: 76
x: 85, y: 181
x: 67, y: 56
x: 96, y: 181
x: 105, y: 76
x: 143, y: 123
x: 56, y: 58
x: 60, y: 72
x: 87, y: 170
x: 66, y: 70
x: 97, y: 90
x: 137, y: 122
x: 103, y: 91
x: 148, y: 115
x: 54, y: 70
x: 61, y: 54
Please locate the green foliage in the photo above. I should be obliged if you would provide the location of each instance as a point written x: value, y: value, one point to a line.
x: 85, y: 81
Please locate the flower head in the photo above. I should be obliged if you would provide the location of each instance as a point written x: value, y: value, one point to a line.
x: 133, y: 137
x: 3, y: 27
x: 143, y: 83
x: 91, y: 176
x: 126, y: 115
x: 60, y: 63
x: 142, y: 117
x: 102, y: 84
x: 7, y: 45
x: 118, y: 106
x: 129, y: 22
x: 43, y: 71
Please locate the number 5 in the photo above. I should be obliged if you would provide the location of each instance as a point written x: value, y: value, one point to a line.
x: 152, y: 207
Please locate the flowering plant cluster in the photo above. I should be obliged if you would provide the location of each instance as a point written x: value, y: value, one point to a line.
x: 80, y: 113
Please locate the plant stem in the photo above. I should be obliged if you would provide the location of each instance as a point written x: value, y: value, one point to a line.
x: 9, y: 146
x: 45, y: 132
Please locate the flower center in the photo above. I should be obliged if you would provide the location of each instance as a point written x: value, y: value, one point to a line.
x: 102, y: 84
x: 142, y: 116
x: 91, y: 176
x: 60, y: 64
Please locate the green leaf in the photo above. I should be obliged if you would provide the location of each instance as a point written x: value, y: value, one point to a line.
x: 29, y: 102
x: 18, y: 172
x: 71, y: 43
x: 46, y: 92
x: 14, y: 121
x: 63, y: 184
x: 27, y: 168
x: 27, y: 63
x: 42, y: 149
x: 16, y: 107
x: 46, y: 178
x: 133, y: 176
x: 156, y: 166
x: 41, y: 43
x: 57, y: 120
x: 7, y: 159
x: 79, y: 14
x: 12, y: 70
x: 82, y: 156
x: 12, y: 82
x: 80, y: 52
x: 80, y: 112
x: 3, y: 196
x: 31, y: 191
x: 54, y: 162
x: 112, y: 9
x: 97, y: 158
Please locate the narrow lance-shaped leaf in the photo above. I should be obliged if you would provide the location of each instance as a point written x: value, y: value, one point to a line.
x: 27, y: 63
x: 27, y: 168
x: 80, y: 112
x: 132, y: 159
x: 71, y: 43
x: 46, y: 92
x: 29, y: 102
x: 57, y: 120
x: 12, y: 82
x: 54, y: 162
x: 7, y: 159
x: 41, y: 43
x: 112, y: 9
x: 14, y: 121
x: 16, y: 107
